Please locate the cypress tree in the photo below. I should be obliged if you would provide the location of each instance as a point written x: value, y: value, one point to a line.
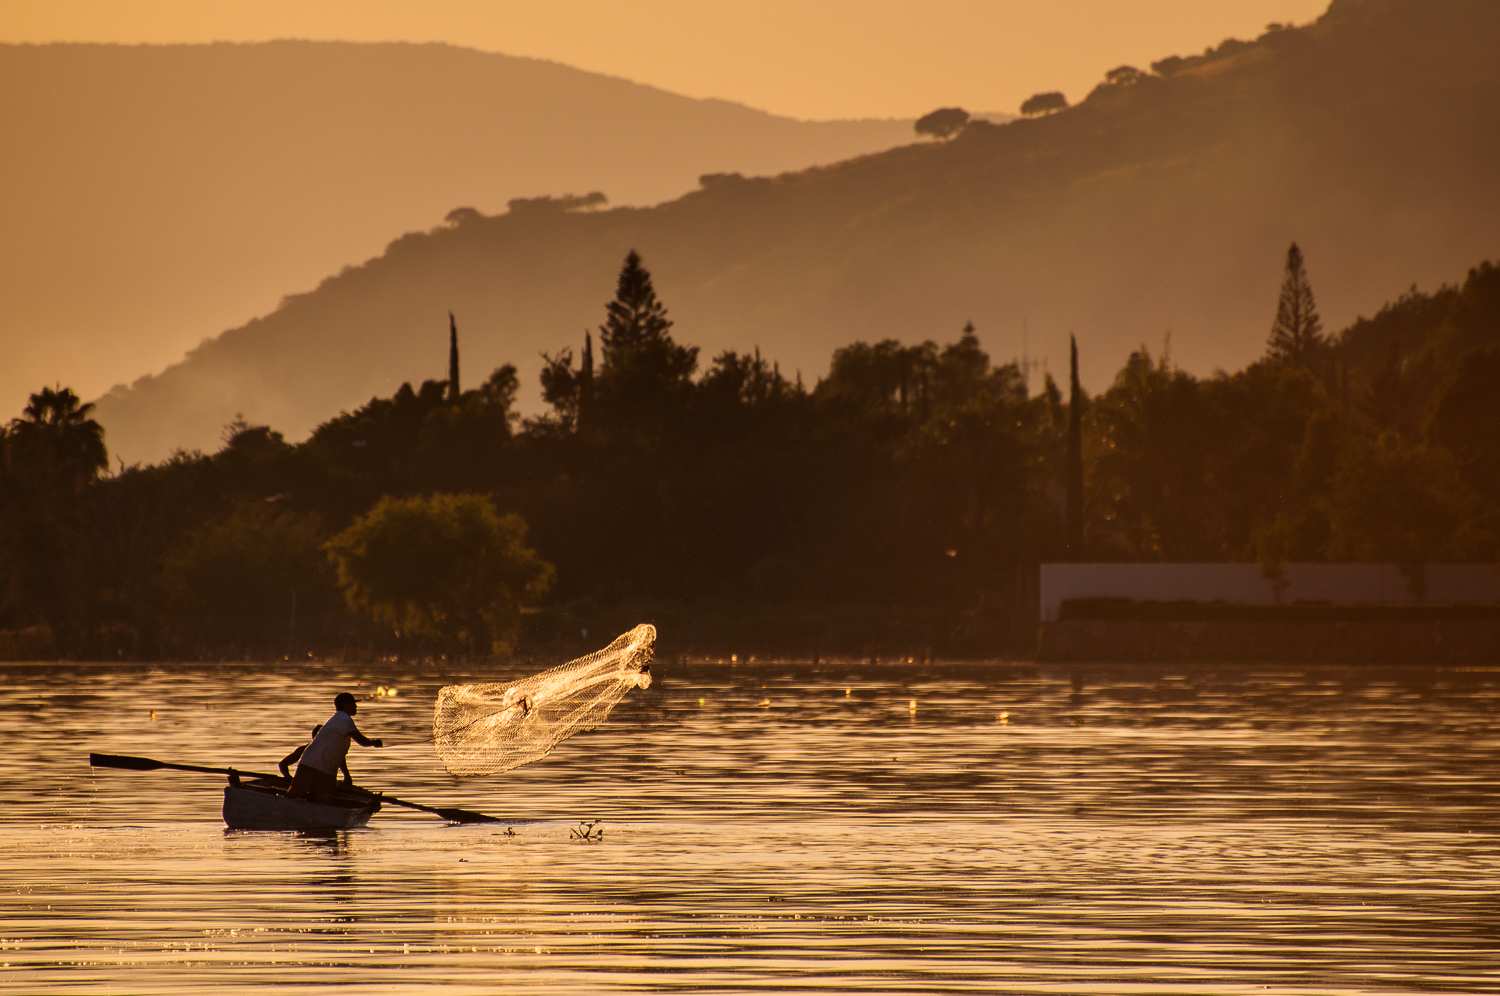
x: 1297, y: 334
x: 452, y: 358
x: 586, y: 371
x: 1073, y: 472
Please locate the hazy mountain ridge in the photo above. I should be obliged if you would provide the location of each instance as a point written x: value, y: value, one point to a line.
x: 1162, y: 204
x: 159, y: 193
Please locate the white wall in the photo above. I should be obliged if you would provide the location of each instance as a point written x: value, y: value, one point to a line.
x: 1340, y: 584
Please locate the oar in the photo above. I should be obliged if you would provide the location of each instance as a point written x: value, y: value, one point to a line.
x: 448, y: 813
x: 129, y: 762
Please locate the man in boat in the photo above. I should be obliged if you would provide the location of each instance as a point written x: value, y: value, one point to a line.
x: 285, y: 764
x: 317, y: 771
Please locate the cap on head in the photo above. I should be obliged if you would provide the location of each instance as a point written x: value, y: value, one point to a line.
x: 344, y: 702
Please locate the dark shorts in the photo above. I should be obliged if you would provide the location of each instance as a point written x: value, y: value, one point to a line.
x: 310, y: 783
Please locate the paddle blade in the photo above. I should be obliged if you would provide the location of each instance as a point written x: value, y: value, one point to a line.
x: 124, y: 761
x: 465, y: 816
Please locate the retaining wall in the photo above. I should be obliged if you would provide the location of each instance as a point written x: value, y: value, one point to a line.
x: 1363, y: 642
x: 1243, y: 584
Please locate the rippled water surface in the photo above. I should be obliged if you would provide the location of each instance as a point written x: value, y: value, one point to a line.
x: 775, y: 827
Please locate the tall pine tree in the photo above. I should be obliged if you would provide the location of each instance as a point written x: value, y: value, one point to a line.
x: 1297, y: 334
x: 641, y: 367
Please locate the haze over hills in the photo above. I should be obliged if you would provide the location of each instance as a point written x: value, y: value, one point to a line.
x: 1164, y: 202
x: 154, y: 195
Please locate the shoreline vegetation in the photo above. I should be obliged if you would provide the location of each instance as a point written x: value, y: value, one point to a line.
x: 897, y: 507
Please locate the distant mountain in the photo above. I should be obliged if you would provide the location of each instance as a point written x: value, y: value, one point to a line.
x: 151, y: 195
x: 1164, y: 202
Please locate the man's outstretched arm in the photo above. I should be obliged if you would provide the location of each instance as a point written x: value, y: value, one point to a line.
x: 365, y: 741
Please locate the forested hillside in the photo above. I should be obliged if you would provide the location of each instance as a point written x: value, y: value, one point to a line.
x: 156, y: 195
x: 1160, y: 204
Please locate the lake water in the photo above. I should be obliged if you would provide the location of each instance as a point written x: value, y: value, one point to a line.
x: 775, y: 827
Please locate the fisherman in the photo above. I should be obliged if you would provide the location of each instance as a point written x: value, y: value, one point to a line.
x: 285, y: 764
x: 327, y: 755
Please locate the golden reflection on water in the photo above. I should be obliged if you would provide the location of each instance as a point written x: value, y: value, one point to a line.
x: 774, y: 827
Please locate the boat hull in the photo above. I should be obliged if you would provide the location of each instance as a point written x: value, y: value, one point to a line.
x: 267, y: 809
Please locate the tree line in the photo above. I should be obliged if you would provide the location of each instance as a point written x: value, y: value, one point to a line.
x: 913, y: 477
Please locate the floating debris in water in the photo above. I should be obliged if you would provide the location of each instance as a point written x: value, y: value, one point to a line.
x: 590, y: 830
x: 764, y: 703
x: 913, y: 705
x: 1003, y: 718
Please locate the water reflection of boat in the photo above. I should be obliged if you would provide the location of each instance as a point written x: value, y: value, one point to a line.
x: 260, y: 804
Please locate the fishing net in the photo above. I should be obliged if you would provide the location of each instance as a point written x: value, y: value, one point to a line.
x: 482, y: 729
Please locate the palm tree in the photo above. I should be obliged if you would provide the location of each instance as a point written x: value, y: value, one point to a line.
x: 50, y: 455
x: 56, y: 438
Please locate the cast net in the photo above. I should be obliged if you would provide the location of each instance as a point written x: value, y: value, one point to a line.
x: 482, y: 729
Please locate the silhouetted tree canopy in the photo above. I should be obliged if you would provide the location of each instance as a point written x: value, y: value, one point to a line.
x: 462, y: 216
x: 719, y: 179
x: 1044, y: 103
x: 918, y: 477
x: 1124, y: 76
x: 446, y: 567
x: 1385, y: 402
x: 1148, y: 484
x: 248, y: 576
x: 549, y: 204
x: 944, y: 122
x: 1466, y: 420
x: 1390, y: 501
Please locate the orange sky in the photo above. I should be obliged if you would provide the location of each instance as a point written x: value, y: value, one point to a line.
x: 803, y: 58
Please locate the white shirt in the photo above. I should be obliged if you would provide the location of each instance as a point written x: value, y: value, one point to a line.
x: 329, y: 748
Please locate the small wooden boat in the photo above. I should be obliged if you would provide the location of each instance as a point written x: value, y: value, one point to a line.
x: 263, y: 805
